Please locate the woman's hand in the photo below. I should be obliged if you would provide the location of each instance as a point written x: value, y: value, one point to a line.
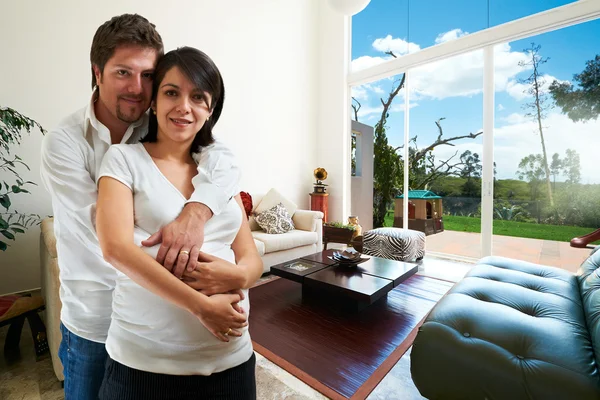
x: 221, y: 318
x: 213, y: 275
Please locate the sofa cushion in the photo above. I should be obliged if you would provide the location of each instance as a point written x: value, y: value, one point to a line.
x: 275, y: 220
x: 589, y: 282
x: 285, y: 241
x: 260, y: 246
x: 509, y: 329
x: 271, y: 199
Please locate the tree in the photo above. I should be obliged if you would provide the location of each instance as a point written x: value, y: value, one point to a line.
x: 538, y: 106
x: 531, y: 169
x: 471, y: 171
x: 583, y: 103
x: 571, y: 167
x: 555, y: 168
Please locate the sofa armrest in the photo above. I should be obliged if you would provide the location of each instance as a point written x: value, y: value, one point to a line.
x: 306, y: 220
x: 311, y: 221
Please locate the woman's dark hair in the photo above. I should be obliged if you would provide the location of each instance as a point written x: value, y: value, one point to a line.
x: 204, y: 74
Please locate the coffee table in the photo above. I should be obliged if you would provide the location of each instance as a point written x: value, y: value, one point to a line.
x: 356, y: 287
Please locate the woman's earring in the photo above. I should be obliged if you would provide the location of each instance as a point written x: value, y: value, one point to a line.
x: 154, y: 111
x: 207, y: 118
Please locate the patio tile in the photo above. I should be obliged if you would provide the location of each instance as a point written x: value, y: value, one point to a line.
x: 546, y: 252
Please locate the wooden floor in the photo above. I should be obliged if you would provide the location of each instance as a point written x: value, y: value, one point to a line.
x: 332, y: 349
x: 23, y: 378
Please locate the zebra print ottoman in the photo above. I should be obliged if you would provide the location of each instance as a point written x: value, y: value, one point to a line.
x: 394, y: 244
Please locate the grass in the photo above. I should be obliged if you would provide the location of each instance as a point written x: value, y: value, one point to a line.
x: 559, y: 233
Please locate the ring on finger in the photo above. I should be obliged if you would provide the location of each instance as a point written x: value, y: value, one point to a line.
x: 186, y: 252
x: 228, y: 332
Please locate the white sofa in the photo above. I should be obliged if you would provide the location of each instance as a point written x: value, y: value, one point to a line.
x: 306, y: 239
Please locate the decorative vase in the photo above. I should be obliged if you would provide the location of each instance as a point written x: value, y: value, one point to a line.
x: 353, y: 220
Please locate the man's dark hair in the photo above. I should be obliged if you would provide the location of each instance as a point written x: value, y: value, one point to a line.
x: 205, y: 76
x: 123, y: 30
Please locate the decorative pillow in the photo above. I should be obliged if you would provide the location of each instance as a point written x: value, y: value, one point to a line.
x: 271, y: 199
x: 247, y: 202
x: 275, y: 220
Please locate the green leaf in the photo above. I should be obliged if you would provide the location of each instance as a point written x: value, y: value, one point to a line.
x: 17, y: 230
x: 3, y: 246
x: 3, y: 223
x: 5, y: 201
x: 15, y: 189
x: 7, y: 234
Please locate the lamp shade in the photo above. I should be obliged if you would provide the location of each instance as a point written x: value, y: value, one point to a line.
x: 348, y: 7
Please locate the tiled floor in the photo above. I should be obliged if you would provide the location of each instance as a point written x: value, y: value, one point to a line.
x: 25, y: 379
x: 547, y: 252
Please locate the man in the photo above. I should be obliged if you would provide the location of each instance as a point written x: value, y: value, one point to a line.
x: 123, y: 55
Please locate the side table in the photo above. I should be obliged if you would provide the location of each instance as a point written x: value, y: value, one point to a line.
x: 318, y: 202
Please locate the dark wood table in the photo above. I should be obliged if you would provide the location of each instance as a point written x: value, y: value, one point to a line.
x: 352, y: 287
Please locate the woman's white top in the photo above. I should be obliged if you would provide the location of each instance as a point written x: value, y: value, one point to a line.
x: 147, y: 332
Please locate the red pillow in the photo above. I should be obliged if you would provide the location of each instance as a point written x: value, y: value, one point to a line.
x: 247, y: 202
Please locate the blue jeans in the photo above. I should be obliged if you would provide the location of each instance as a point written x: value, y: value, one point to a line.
x: 83, y: 363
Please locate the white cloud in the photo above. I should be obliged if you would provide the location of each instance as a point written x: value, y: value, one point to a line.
x: 518, y: 91
x: 519, y: 137
x: 463, y: 75
x: 514, y: 118
x: 378, y: 90
x: 457, y: 76
x: 370, y: 112
x: 398, y: 46
x: 450, y: 35
x: 362, y: 92
x: 500, y: 107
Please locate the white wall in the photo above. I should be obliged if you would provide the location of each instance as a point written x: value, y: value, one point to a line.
x: 267, y: 50
x: 333, y: 142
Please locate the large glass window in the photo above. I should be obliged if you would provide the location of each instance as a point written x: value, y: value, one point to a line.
x: 502, y: 11
x: 547, y: 184
x: 381, y: 105
x: 381, y: 28
x: 445, y: 152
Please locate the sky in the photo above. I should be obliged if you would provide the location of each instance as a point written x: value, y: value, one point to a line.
x: 452, y: 88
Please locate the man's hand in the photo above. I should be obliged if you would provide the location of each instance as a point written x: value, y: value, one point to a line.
x: 181, y: 239
x: 214, y: 275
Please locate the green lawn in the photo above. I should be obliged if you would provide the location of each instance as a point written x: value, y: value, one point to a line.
x: 559, y: 233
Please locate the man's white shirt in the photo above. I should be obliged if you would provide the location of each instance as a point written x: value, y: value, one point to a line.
x: 72, y: 154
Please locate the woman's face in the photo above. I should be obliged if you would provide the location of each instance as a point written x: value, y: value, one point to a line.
x: 181, y: 109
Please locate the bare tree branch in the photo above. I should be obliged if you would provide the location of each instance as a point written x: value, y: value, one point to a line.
x: 440, y: 142
x: 356, y: 109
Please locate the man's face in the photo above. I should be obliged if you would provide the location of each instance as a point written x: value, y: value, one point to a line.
x: 125, y: 85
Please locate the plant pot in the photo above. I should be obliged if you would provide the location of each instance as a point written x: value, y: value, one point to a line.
x: 337, y: 235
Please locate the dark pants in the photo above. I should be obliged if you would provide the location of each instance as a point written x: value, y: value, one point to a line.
x: 124, y: 383
x: 84, y: 363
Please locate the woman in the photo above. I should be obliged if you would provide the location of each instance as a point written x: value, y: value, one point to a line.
x: 166, y: 339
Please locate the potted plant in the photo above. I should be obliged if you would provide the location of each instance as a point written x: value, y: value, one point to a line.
x: 337, y: 232
x: 13, y: 222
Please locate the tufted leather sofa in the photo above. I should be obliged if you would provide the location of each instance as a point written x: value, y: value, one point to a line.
x: 513, y: 330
